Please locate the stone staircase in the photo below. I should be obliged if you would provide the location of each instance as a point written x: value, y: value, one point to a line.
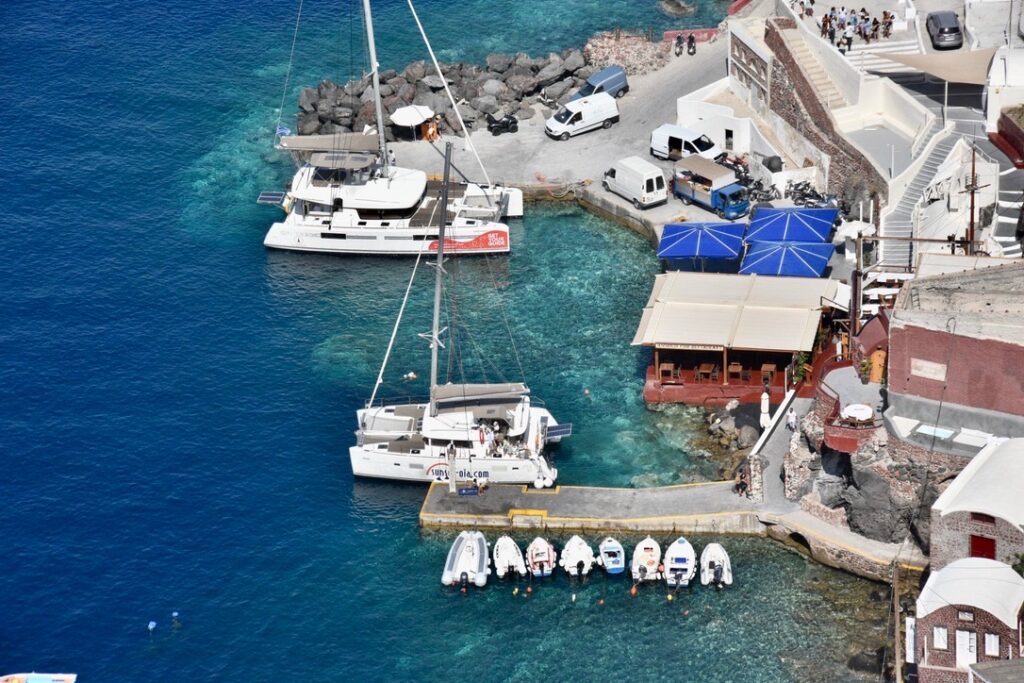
x: 900, y: 223
x: 830, y: 95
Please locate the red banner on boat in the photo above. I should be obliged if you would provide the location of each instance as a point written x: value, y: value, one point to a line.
x: 492, y: 240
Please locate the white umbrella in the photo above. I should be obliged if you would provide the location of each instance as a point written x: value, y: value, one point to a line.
x: 411, y: 115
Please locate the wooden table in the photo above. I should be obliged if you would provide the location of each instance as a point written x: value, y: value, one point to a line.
x: 735, y: 369
x: 705, y: 369
x: 768, y: 372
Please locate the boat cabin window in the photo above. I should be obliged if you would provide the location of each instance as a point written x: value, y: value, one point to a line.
x: 329, y: 176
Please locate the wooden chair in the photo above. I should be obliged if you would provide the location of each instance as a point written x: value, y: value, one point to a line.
x: 714, y: 374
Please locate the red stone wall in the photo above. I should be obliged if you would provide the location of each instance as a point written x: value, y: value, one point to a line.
x: 950, y: 538
x: 980, y: 373
x: 938, y: 659
x: 794, y: 99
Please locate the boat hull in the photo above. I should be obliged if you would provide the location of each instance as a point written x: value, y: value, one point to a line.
x: 467, y: 560
x: 489, y: 238
x: 680, y: 564
x: 427, y: 468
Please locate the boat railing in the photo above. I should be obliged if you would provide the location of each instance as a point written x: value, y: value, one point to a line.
x: 414, y: 400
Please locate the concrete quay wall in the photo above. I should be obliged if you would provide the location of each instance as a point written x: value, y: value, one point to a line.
x: 710, y: 508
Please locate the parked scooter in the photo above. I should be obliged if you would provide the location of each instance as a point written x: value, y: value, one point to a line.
x: 506, y: 124
x: 679, y: 44
x: 691, y: 45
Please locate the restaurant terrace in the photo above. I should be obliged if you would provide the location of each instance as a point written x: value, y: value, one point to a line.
x: 718, y: 337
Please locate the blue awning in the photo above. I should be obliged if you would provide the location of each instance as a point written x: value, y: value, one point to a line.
x: 701, y: 240
x: 794, y: 224
x: 799, y: 259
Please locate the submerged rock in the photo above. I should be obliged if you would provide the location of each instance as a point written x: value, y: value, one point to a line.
x: 868, y: 661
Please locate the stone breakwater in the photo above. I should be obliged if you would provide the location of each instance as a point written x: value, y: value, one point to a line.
x: 504, y: 84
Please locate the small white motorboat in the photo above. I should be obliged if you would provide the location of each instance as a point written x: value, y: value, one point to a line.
x: 680, y: 563
x: 715, y: 566
x: 611, y: 556
x: 467, y: 561
x: 508, y: 558
x: 577, y: 557
x: 541, y: 557
x: 39, y: 678
x: 646, y: 564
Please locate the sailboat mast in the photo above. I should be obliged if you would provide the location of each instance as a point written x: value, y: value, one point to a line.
x: 435, y: 330
x: 374, y: 72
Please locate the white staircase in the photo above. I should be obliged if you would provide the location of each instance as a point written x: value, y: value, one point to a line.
x: 830, y: 95
x: 900, y: 222
x: 871, y: 57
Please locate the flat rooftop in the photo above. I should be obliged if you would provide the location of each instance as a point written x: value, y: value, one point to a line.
x: 987, y: 303
x: 885, y: 145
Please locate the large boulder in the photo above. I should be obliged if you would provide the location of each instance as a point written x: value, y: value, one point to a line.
x: 552, y: 72
x: 524, y: 60
x: 342, y: 116
x: 407, y: 93
x: 452, y: 121
x: 525, y: 112
x: 367, y: 115
x: 499, y: 63
x: 386, y: 90
x: 586, y: 72
x: 387, y: 75
x: 356, y: 88
x: 308, y: 123
x: 494, y: 87
x: 748, y: 436
x: 468, y: 113
x: 521, y: 85
x: 433, y: 81
x: 308, y: 99
x: 517, y: 70
x: 350, y: 101
x: 487, y: 104
x: 367, y: 95
x: 574, y: 61
x: 415, y: 71
x: 327, y: 89
x: 397, y: 82
x: 556, y: 90
x: 324, y: 109
x: 392, y: 103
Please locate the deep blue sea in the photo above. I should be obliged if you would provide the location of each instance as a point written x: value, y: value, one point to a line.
x: 176, y: 402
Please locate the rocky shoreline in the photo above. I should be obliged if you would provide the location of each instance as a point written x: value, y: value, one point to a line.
x: 504, y: 84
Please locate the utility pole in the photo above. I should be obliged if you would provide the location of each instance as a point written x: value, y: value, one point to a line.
x: 972, y: 187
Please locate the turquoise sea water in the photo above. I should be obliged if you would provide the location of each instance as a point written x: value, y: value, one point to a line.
x: 176, y: 402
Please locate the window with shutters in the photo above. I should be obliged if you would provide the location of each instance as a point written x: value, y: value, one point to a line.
x: 991, y: 645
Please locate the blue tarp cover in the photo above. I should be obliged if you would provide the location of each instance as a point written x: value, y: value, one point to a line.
x: 701, y: 240
x: 799, y: 259
x: 794, y: 224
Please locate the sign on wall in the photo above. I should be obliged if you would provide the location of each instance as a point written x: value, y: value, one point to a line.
x: 928, y: 369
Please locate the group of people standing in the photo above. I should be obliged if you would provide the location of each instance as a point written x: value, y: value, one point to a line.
x: 840, y: 26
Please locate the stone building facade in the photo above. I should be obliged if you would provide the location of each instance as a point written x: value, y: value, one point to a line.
x: 938, y: 665
x: 973, y: 534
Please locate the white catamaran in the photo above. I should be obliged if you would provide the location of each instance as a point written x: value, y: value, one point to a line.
x: 483, y: 432
x: 348, y: 198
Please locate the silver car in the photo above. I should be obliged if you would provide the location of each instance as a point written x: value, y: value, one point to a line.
x: 944, y: 30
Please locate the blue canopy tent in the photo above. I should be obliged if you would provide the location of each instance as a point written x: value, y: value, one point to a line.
x: 793, y: 224
x: 797, y: 259
x: 701, y: 240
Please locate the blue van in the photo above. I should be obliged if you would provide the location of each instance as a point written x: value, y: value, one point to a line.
x: 611, y: 80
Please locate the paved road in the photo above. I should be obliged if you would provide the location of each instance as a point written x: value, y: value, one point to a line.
x: 529, y: 156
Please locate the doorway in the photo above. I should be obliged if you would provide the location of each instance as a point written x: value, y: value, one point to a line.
x: 966, y: 648
x: 982, y: 546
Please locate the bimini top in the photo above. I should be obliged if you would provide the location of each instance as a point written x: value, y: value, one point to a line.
x: 333, y: 142
x: 715, y: 311
x: 992, y: 483
x: 464, y: 393
x: 976, y: 582
x: 342, y: 160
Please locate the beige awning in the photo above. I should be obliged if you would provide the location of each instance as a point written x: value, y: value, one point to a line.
x: 342, y: 160
x: 718, y: 311
x: 958, y: 66
x: 336, y: 142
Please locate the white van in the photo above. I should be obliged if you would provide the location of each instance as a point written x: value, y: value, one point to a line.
x: 675, y: 143
x: 639, y: 181
x: 579, y: 116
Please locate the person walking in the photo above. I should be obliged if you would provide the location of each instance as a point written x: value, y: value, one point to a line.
x: 391, y: 157
x: 791, y: 420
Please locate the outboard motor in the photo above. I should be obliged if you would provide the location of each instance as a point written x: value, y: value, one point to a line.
x: 691, y: 45
x: 463, y: 582
x: 718, y: 574
x: 579, y: 569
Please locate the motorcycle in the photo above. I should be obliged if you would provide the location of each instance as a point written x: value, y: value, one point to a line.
x: 506, y: 124
x: 679, y: 44
x: 691, y: 45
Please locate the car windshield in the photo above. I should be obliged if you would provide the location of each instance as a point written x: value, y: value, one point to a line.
x: 737, y: 197
x: 703, y: 143
x: 587, y: 89
x: 563, y: 116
